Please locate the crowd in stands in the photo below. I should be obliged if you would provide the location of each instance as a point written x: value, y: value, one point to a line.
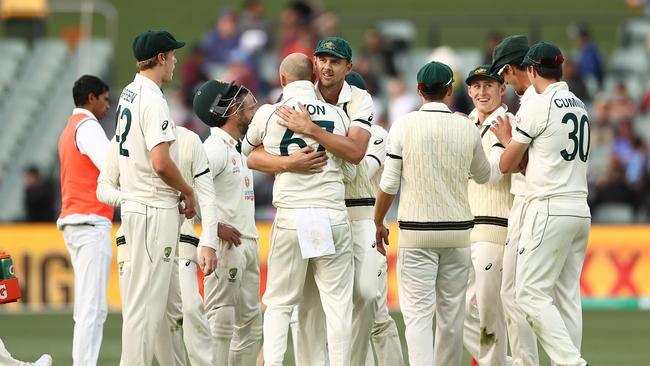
x: 245, y: 45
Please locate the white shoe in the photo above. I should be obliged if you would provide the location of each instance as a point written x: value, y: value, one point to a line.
x: 44, y: 360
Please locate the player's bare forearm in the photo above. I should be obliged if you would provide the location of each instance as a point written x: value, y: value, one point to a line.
x: 511, y: 158
x: 305, y: 160
x: 167, y: 170
x: 382, y: 204
x: 351, y: 148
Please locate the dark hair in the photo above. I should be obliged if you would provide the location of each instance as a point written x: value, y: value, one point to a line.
x: 86, y: 85
x: 552, y: 73
x: 435, y: 93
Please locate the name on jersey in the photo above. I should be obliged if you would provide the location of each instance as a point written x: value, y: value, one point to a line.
x: 315, y: 109
x: 568, y: 103
x: 128, y: 95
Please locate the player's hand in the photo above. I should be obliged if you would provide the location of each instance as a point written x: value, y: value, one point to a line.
x: 502, y: 130
x: 297, y: 121
x: 207, y: 260
x: 381, y: 236
x: 229, y: 234
x: 307, y: 160
x: 187, y: 205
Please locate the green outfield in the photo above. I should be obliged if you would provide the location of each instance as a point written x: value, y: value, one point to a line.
x: 611, y: 338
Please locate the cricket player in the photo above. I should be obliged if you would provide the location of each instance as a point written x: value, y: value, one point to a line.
x: 384, y: 334
x: 506, y: 61
x: 185, y: 305
x: 432, y: 152
x: 150, y: 182
x: 485, y: 334
x: 556, y: 221
x: 311, y: 227
x: 86, y: 223
x: 333, y: 61
x: 232, y: 292
x: 6, y: 359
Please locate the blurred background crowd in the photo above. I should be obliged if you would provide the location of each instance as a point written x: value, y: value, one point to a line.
x: 245, y: 44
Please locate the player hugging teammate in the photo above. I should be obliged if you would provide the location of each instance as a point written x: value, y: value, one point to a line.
x: 474, y: 252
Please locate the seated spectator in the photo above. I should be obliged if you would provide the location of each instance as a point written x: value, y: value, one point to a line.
x: 224, y: 38
x: 39, y: 197
x: 296, y: 17
x: 614, y: 189
x: 621, y: 105
x: 379, y: 53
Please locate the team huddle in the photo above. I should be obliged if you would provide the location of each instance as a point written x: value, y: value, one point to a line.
x: 493, y: 217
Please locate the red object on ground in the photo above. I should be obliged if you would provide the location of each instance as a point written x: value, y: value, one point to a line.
x: 9, y: 290
x: 474, y: 363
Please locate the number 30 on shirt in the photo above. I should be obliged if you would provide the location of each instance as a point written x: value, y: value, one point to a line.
x: 579, y: 136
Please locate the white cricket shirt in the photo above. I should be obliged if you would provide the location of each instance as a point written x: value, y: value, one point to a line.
x: 232, y: 181
x: 556, y: 127
x: 299, y: 190
x: 143, y: 121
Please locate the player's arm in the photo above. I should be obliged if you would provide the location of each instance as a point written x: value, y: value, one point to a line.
x: 480, y: 168
x: 389, y: 185
x: 525, y: 131
x: 351, y: 148
x: 207, y: 199
x: 305, y: 160
x: 91, y: 141
x: 376, y: 153
x: 108, y: 181
x: 159, y: 135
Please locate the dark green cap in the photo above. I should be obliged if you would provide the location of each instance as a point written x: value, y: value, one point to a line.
x: 150, y: 43
x: 482, y: 71
x: 210, y: 101
x: 435, y: 75
x: 334, y: 46
x: 543, y: 54
x: 354, y: 78
x: 510, y: 49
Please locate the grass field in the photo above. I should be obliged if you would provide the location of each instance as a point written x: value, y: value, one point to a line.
x: 611, y: 338
x: 459, y: 23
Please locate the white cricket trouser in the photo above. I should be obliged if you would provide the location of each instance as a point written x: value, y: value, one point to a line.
x: 5, y: 357
x: 522, y: 339
x: 232, y: 300
x: 91, y: 255
x: 152, y: 236
x: 384, y: 334
x: 552, y: 248
x: 433, y: 280
x: 287, y: 271
x: 169, y: 349
x: 485, y: 327
x: 309, y: 346
x: 196, y: 329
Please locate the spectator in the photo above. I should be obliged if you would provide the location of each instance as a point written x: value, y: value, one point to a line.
x: 297, y: 34
x: 380, y: 55
x: 575, y: 82
x: 252, y: 18
x: 614, y: 189
x: 192, y: 74
x: 400, y: 101
x: 588, y: 60
x: 621, y: 105
x: 224, y: 38
x: 39, y: 196
x: 493, y: 39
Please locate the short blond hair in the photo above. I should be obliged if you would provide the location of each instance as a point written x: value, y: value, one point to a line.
x: 151, y: 62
